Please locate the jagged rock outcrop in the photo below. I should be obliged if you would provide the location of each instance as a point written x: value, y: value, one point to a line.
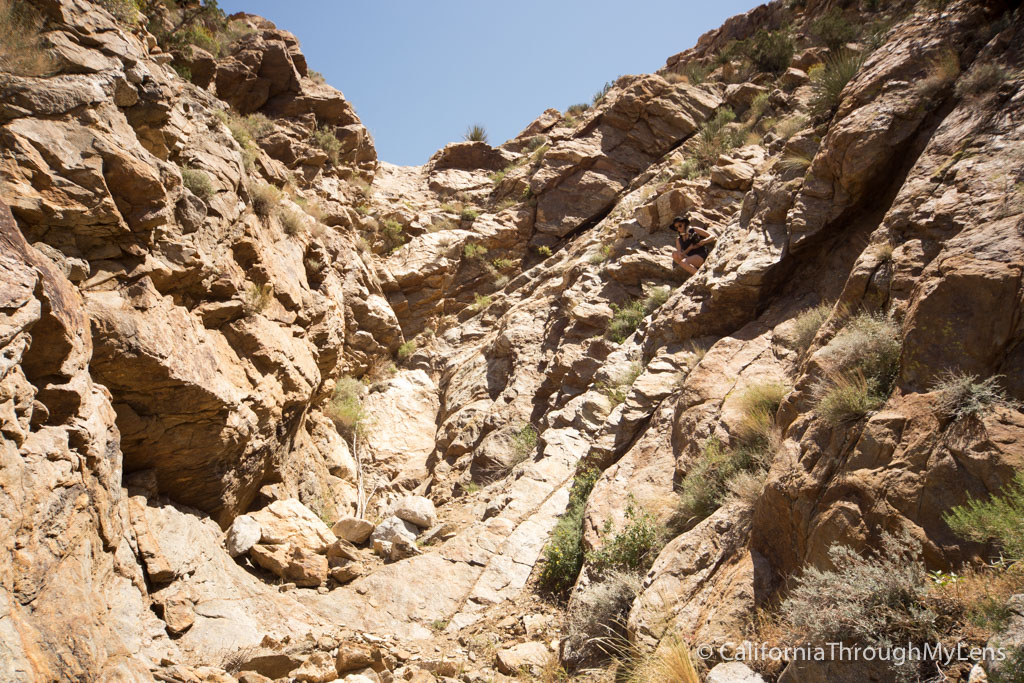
x: 254, y: 406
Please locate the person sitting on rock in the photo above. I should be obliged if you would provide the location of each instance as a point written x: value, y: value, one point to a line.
x: 692, y: 244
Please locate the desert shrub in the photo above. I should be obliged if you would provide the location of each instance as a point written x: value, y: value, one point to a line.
x: 833, y: 29
x: 473, y: 250
x: 183, y: 71
x: 876, y: 599
x: 687, y: 169
x: 536, y: 142
x: 257, y: 298
x: 22, y: 51
x: 634, y: 547
x: 807, y: 324
x: 617, y: 388
x: 745, y: 486
x: 625, y: 320
x: 326, y: 140
x: 656, y: 298
x: 670, y: 662
x: 406, y: 349
x: 346, y: 407
x: 795, y: 161
x: 468, y: 213
x: 703, y: 489
x: 790, y: 126
x: 524, y: 441
x: 563, y: 553
x: 480, y: 302
x: 475, y: 133
x: 125, y: 11
x: 315, y: 76
x: 598, y: 611
x: 829, y: 79
x: 292, y: 222
x: 696, y: 73
x: 600, y: 94
x: 962, y: 395
x: 544, y: 250
x: 577, y: 109
x: 759, y: 404
x: 771, y: 51
x: 869, y: 344
x: 197, y: 182
x: 601, y: 255
x: 999, y: 519
x: 497, y: 176
x: 393, y: 234
x: 758, y: 106
x: 845, y: 397
x: 570, y: 121
x: 265, y: 199
x: 258, y: 125
x: 981, y: 78
x: 714, y: 138
x: 503, y: 263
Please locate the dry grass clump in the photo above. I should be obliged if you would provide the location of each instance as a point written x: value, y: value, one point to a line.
x: 265, y: 199
x: 808, y: 322
x: 981, y: 78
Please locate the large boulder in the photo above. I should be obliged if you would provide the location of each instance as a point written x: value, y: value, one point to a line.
x: 289, y: 521
x: 418, y: 510
x: 244, y: 533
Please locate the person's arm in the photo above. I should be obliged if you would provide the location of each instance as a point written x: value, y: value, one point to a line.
x: 708, y: 237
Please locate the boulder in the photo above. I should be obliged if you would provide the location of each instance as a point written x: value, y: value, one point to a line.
x: 733, y: 174
x: 353, y: 529
x: 532, y: 656
x: 733, y: 672
x: 352, y: 656
x: 319, y: 668
x: 243, y: 534
x: 394, y: 528
x: 289, y: 521
x: 418, y: 510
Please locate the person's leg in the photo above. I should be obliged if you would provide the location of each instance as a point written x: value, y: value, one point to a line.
x: 691, y: 263
x: 677, y: 256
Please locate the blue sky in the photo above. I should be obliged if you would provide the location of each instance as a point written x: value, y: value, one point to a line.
x: 419, y: 73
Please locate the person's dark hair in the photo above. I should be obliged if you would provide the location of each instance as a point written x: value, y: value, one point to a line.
x: 681, y: 218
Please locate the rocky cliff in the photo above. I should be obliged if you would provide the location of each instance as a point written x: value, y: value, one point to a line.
x: 274, y: 410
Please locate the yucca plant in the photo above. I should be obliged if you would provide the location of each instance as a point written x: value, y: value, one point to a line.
x: 829, y: 79
x: 475, y: 133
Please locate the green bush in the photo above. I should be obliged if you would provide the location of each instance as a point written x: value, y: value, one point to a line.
x: 703, y: 489
x: 1000, y: 519
x: 829, y: 78
x: 523, y: 443
x: 503, y: 263
x: 758, y: 106
x: 393, y: 234
x: 633, y: 548
x: 327, y: 141
x: 601, y: 255
x: 696, y: 73
x: 406, y: 349
x: 577, y: 109
x: 197, y: 182
x: 265, y: 199
x: 962, y: 395
x: 346, y: 407
x: 468, y: 213
x: 833, y: 29
x: 876, y: 600
x: 600, y: 94
x: 563, y: 554
x: 771, y: 51
x: 257, y: 298
x: 656, y: 298
x: 473, y: 251
x: 981, y: 78
x: 625, y: 320
x: 790, y: 126
x: 475, y: 133
x: 688, y: 169
x: 715, y: 139
x: 544, y: 250
x: 480, y: 302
